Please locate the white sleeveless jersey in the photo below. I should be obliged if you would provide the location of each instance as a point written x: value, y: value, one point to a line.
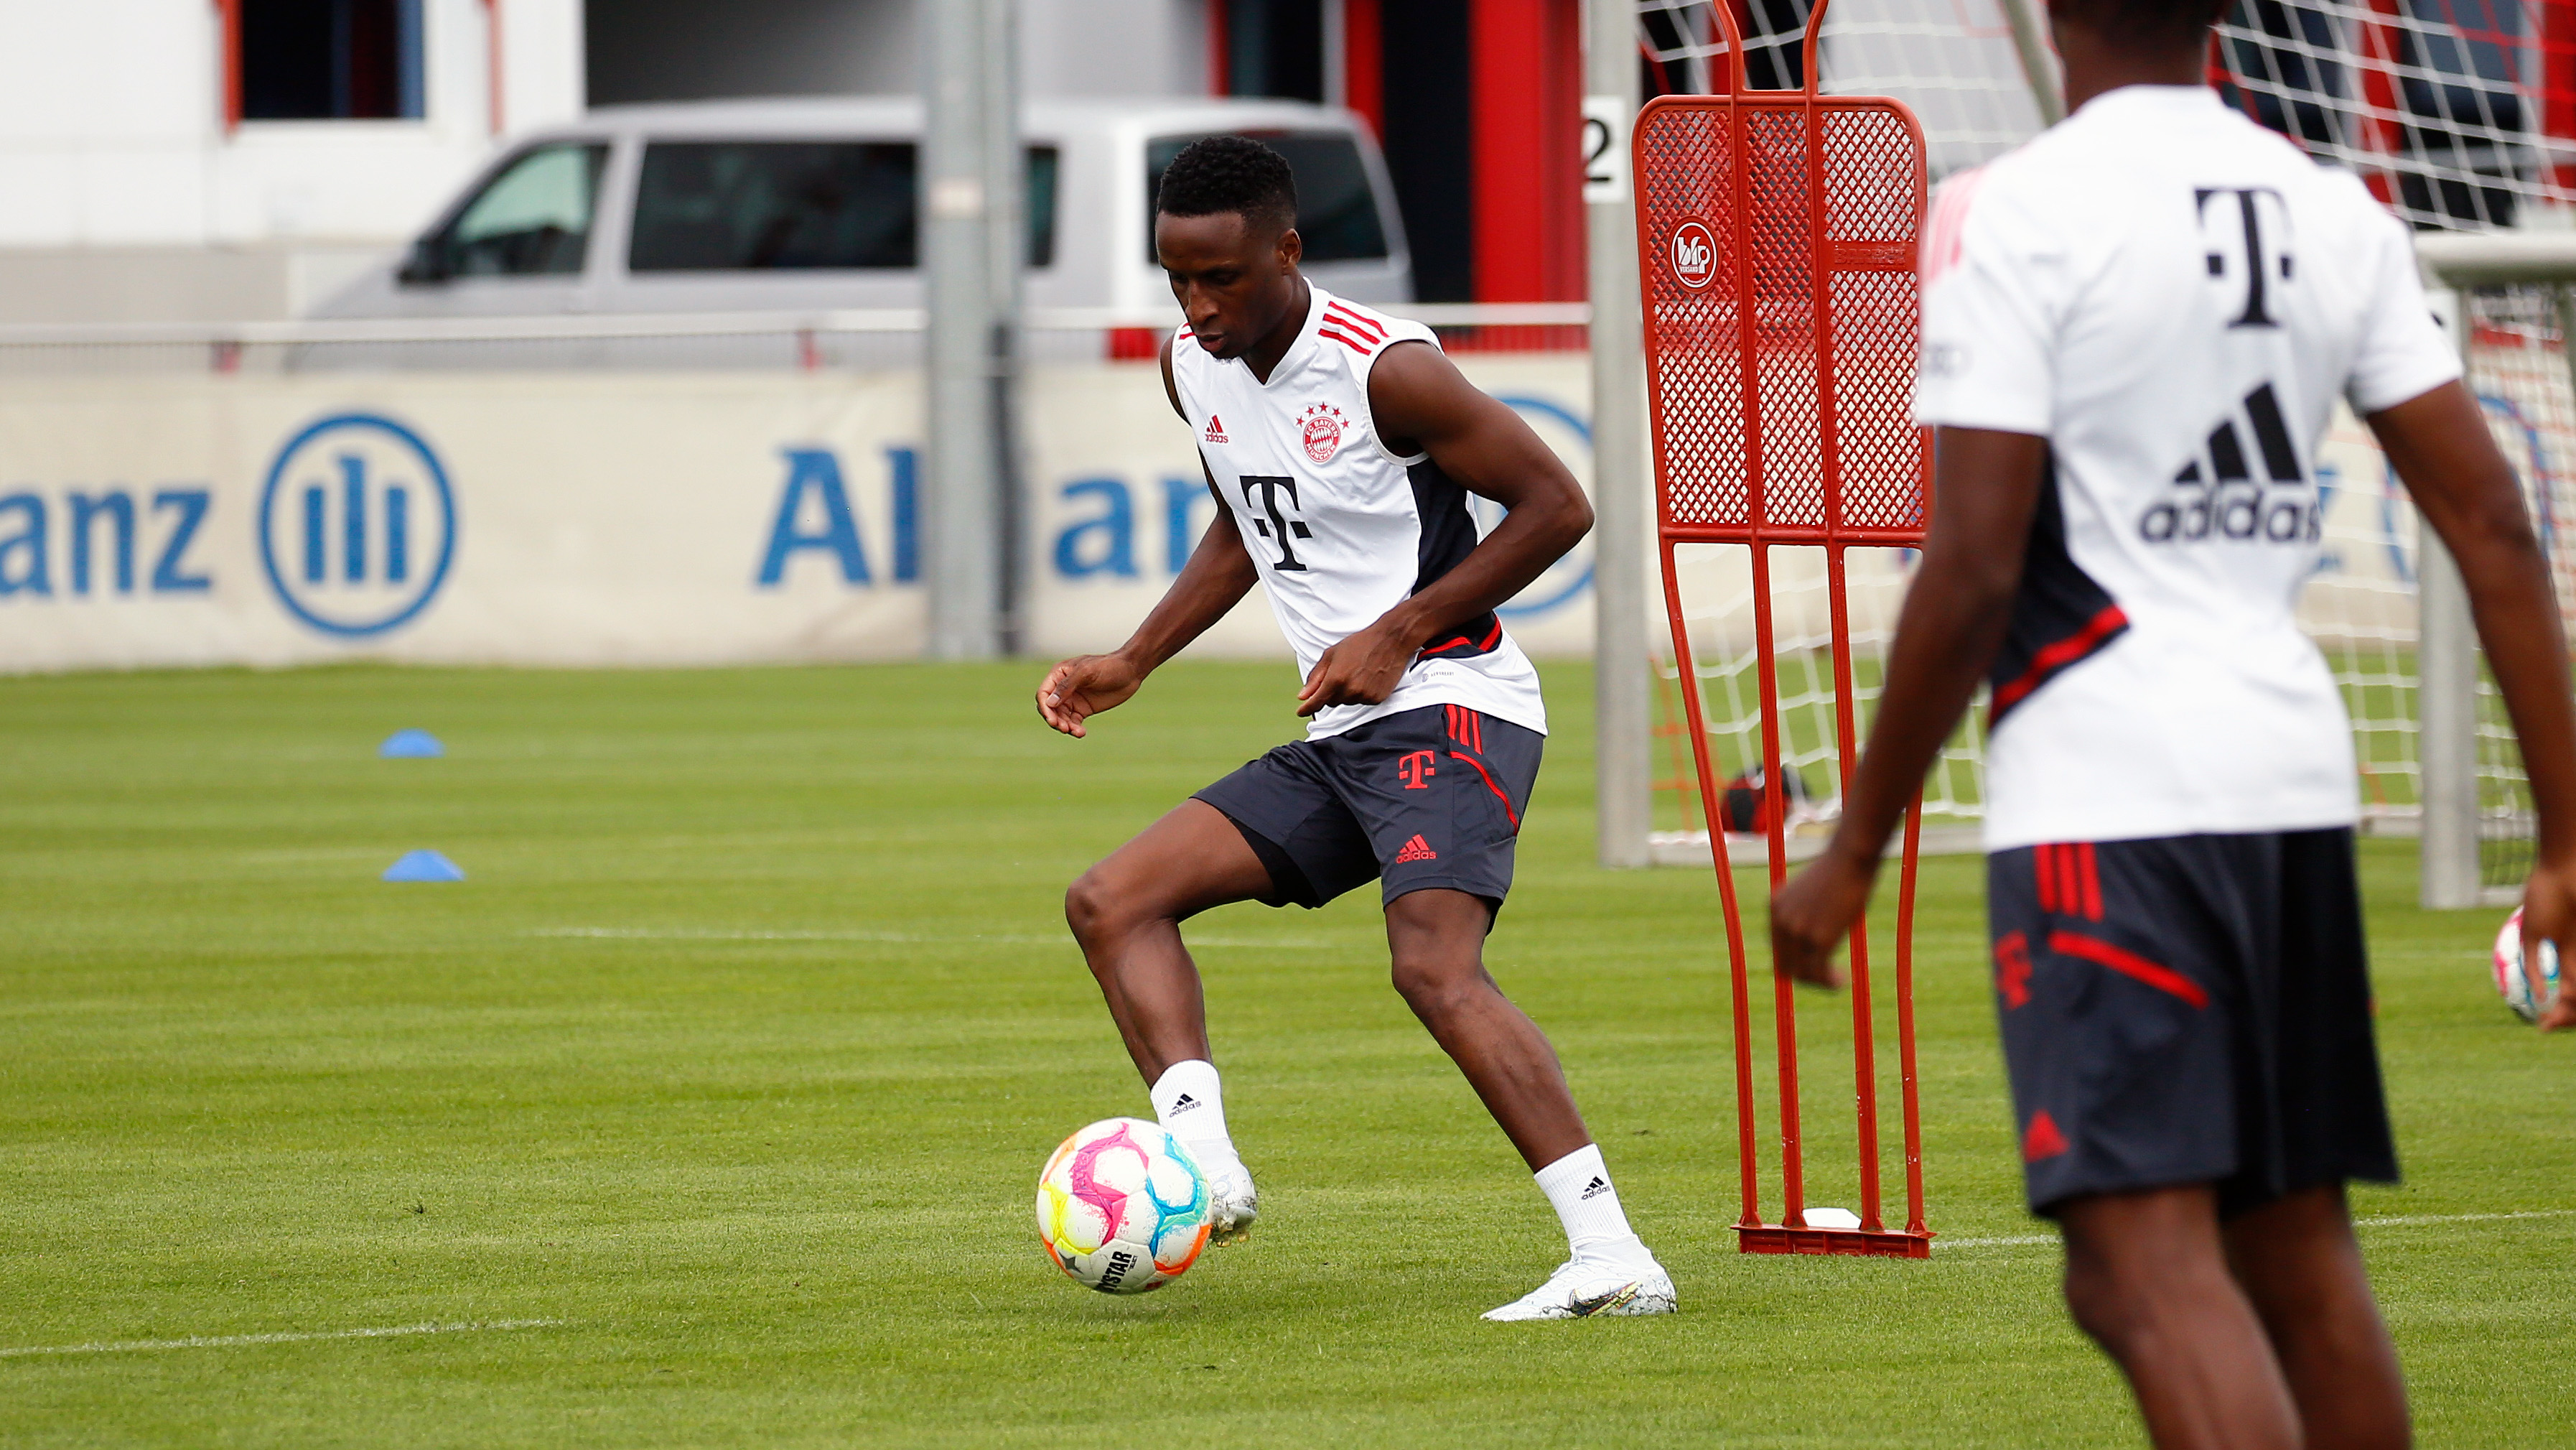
x: 2173, y: 297
x: 1341, y: 529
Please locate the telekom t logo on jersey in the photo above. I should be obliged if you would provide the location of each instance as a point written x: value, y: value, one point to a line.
x: 1414, y: 768
x: 1271, y: 519
x: 2249, y: 230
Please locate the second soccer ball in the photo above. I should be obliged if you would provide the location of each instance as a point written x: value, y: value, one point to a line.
x: 2513, y: 982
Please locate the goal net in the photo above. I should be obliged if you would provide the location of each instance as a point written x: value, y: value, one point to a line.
x: 2460, y: 115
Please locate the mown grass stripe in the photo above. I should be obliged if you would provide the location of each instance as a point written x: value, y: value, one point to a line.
x: 227, y: 1341
x: 2383, y: 1220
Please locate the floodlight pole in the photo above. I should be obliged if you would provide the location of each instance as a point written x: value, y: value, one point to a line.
x: 970, y: 241
x: 1621, y: 684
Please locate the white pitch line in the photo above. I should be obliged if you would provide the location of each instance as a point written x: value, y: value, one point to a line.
x: 222, y: 1341
x: 2400, y: 1219
x: 2385, y: 1220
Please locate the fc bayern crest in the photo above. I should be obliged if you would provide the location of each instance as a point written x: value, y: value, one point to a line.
x: 1323, y: 428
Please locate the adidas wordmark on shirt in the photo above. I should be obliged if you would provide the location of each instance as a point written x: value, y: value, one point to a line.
x: 2174, y: 298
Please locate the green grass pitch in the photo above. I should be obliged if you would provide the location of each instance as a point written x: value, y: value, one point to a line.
x: 717, y: 1094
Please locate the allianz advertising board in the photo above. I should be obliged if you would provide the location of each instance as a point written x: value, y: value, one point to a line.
x: 600, y: 519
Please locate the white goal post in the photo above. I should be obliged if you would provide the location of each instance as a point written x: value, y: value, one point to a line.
x: 2510, y: 299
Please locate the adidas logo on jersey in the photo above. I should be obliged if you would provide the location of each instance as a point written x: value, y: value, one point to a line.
x: 1597, y: 1187
x: 1215, y: 430
x: 1416, y: 849
x: 2222, y: 499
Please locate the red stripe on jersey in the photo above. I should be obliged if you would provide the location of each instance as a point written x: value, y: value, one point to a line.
x: 2061, y: 654
x: 2044, y: 864
x: 2092, y: 881
x: 1355, y: 322
x: 1346, y: 340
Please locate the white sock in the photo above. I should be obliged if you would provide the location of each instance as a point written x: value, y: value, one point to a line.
x: 1578, y: 1185
x: 1190, y: 1105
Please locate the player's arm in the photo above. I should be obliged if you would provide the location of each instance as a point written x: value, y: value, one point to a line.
x: 1985, y: 489
x: 2466, y: 491
x: 1218, y: 575
x: 1420, y: 403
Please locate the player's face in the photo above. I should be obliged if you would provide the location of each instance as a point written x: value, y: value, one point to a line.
x: 1234, y: 281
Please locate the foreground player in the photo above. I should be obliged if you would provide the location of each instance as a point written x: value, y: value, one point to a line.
x: 1341, y: 444
x: 2135, y: 328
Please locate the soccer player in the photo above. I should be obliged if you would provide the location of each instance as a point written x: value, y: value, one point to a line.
x: 1341, y: 445
x: 2134, y: 332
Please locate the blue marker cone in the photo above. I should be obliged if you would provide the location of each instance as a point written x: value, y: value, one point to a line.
x: 411, y: 745
x: 424, y: 866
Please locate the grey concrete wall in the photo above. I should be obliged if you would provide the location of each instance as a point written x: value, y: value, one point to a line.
x: 262, y: 282
x: 686, y: 50
x: 678, y: 50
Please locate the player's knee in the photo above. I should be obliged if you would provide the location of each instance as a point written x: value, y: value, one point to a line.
x: 1437, y: 990
x: 2101, y: 1304
x: 2115, y: 1300
x: 1093, y: 905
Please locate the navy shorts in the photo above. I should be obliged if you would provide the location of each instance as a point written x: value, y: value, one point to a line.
x: 1418, y: 799
x: 2189, y: 1009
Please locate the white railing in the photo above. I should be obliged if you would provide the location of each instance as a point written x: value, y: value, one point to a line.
x: 586, y: 327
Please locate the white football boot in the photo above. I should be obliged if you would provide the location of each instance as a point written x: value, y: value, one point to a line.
x: 1584, y: 1288
x: 1232, y: 1204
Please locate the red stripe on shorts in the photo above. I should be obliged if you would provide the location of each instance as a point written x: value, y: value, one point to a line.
x: 1489, y: 785
x: 2128, y: 964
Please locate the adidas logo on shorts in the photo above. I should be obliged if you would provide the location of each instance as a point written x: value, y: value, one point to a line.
x: 1416, y: 849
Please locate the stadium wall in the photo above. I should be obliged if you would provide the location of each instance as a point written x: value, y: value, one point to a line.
x: 589, y: 518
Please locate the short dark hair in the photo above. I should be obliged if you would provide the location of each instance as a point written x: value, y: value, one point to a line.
x: 1230, y: 173
x: 2147, y: 22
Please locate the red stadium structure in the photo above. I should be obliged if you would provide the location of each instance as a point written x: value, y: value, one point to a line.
x: 1776, y: 240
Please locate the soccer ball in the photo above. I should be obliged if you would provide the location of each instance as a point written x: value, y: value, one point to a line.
x: 1122, y: 1208
x: 2509, y: 977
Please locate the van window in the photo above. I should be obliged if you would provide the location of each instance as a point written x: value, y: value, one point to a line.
x: 1336, y: 211
x: 704, y: 206
x: 531, y: 220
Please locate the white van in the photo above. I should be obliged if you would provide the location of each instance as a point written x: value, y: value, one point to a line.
x: 777, y: 205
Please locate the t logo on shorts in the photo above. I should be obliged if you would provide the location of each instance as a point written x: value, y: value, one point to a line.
x: 1414, y: 768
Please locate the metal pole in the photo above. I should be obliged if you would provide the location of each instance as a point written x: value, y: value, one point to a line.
x: 1006, y: 233
x: 2446, y: 701
x: 1621, y: 492
x: 963, y: 509
x: 2038, y: 62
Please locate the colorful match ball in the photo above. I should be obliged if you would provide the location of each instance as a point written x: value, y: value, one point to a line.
x: 1122, y: 1208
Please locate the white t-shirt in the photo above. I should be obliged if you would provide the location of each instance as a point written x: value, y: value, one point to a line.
x: 2173, y: 297
x: 1341, y: 529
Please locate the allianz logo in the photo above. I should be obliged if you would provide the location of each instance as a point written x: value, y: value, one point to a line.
x: 96, y: 542
x: 355, y: 531
x: 357, y: 525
